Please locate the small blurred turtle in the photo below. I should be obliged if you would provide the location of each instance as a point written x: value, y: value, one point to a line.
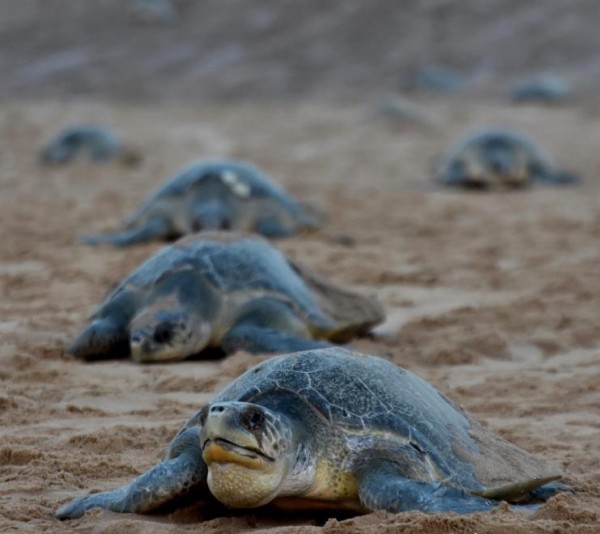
x: 214, y: 195
x: 496, y: 159
x: 544, y: 88
x: 153, y: 12
x: 438, y: 79
x: 97, y: 144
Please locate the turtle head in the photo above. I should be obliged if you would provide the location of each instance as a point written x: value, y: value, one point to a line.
x: 497, y: 162
x: 167, y: 336
x: 249, y: 451
x: 506, y: 160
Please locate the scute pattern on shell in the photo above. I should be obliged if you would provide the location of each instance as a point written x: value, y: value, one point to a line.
x: 367, y: 398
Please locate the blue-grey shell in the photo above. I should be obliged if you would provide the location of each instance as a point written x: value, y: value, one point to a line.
x: 360, y: 393
x: 229, y: 264
x: 102, y: 142
x: 193, y: 176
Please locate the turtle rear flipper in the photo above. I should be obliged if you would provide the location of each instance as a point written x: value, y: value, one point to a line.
x: 353, y: 314
x: 523, y: 489
x: 155, y: 228
x: 381, y: 488
x: 183, y: 472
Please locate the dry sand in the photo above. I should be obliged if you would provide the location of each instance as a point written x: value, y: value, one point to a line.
x: 494, y: 298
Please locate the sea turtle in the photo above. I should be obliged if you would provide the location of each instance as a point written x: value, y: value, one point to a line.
x: 497, y: 158
x: 540, y: 88
x: 337, y: 429
x: 98, y: 143
x: 222, y: 290
x: 437, y: 79
x: 153, y: 11
x: 214, y: 195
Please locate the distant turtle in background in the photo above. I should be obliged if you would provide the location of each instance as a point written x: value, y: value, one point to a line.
x: 495, y: 158
x: 541, y: 88
x: 222, y: 290
x: 153, y: 11
x: 95, y: 143
x: 337, y: 430
x: 214, y: 195
x: 437, y: 79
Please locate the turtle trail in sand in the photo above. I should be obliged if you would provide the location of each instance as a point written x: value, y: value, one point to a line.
x: 500, y: 159
x: 333, y: 428
x: 222, y: 290
x: 214, y: 195
x: 96, y: 143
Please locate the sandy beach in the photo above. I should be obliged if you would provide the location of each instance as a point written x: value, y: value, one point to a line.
x: 493, y: 298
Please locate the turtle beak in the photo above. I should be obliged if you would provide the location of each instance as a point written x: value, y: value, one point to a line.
x: 233, y: 434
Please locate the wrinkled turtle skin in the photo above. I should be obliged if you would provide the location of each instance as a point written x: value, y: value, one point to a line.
x: 214, y: 195
x: 336, y: 429
x: 499, y: 159
x: 222, y: 290
x: 97, y: 144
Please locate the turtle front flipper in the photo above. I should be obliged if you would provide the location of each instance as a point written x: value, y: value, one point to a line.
x: 561, y: 178
x: 183, y: 472
x: 102, y: 338
x: 382, y: 488
x: 155, y: 228
x: 270, y: 226
x: 259, y: 340
x: 268, y: 325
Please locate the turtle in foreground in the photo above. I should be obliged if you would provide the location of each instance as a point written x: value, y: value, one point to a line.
x: 214, y: 195
x: 97, y: 143
x: 495, y: 159
x: 222, y: 290
x: 336, y: 429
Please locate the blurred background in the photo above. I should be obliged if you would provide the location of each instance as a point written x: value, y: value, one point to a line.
x: 234, y: 49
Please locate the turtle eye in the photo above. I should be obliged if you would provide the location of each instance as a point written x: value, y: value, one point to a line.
x: 163, y: 333
x: 253, y: 419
